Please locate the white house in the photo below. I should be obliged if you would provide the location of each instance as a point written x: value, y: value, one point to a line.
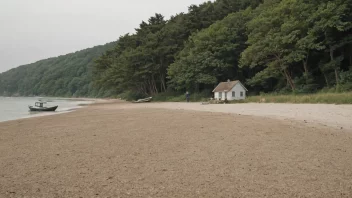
x: 230, y: 90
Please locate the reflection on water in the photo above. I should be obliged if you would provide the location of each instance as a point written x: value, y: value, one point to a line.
x: 15, y: 108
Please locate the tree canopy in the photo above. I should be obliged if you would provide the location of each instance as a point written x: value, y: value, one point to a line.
x: 270, y: 45
x: 68, y: 75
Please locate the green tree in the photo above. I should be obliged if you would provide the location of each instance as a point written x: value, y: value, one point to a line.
x: 332, y: 24
x: 211, y: 55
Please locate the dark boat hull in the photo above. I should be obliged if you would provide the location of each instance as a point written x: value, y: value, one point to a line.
x: 43, y: 108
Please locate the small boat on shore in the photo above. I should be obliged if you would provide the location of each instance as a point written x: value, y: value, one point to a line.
x: 143, y: 100
x: 39, y: 106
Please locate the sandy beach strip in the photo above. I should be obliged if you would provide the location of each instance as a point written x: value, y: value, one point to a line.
x: 129, y: 150
x: 337, y: 116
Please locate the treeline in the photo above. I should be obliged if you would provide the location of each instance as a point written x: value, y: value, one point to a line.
x: 68, y: 75
x: 270, y: 45
x: 140, y: 62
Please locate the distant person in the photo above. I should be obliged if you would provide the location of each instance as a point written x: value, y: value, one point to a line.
x: 187, y: 96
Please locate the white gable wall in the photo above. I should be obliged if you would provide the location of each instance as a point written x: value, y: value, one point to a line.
x: 238, y: 88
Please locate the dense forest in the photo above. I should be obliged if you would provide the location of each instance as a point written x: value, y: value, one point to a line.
x: 271, y: 46
x: 68, y: 75
x: 281, y: 46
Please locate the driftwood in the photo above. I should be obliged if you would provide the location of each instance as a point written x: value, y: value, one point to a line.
x: 210, y: 101
x: 143, y: 100
x: 215, y: 101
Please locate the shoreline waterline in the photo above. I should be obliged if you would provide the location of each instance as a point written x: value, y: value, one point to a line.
x: 16, y: 108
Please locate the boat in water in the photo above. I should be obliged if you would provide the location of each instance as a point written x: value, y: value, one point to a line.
x: 39, y: 106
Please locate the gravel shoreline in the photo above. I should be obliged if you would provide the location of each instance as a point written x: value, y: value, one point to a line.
x: 147, y: 150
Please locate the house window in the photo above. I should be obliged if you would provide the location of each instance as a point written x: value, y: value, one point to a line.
x: 220, y: 94
x: 233, y: 94
x: 241, y: 93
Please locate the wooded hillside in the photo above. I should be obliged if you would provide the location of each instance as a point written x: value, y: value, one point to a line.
x: 271, y: 45
x: 68, y: 75
x: 279, y: 46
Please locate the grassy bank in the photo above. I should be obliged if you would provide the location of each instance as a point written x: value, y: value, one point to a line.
x: 326, y: 98
x: 316, y: 98
x: 181, y: 97
x: 167, y: 96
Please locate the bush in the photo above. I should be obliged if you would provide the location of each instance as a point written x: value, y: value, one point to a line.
x: 131, y: 95
x: 346, y: 77
x: 345, y: 81
x: 305, y: 84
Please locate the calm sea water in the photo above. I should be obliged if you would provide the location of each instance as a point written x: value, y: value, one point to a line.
x: 16, y: 108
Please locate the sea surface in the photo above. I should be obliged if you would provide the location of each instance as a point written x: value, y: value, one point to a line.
x: 12, y: 108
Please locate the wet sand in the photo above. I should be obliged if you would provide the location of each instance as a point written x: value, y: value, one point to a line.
x: 120, y: 150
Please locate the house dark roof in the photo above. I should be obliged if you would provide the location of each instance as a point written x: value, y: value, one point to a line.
x: 227, y: 86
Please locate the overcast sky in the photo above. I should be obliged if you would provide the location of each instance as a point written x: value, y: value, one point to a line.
x: 31, y: 30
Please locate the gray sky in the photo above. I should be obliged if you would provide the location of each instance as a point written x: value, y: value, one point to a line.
x: 32, y: 30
